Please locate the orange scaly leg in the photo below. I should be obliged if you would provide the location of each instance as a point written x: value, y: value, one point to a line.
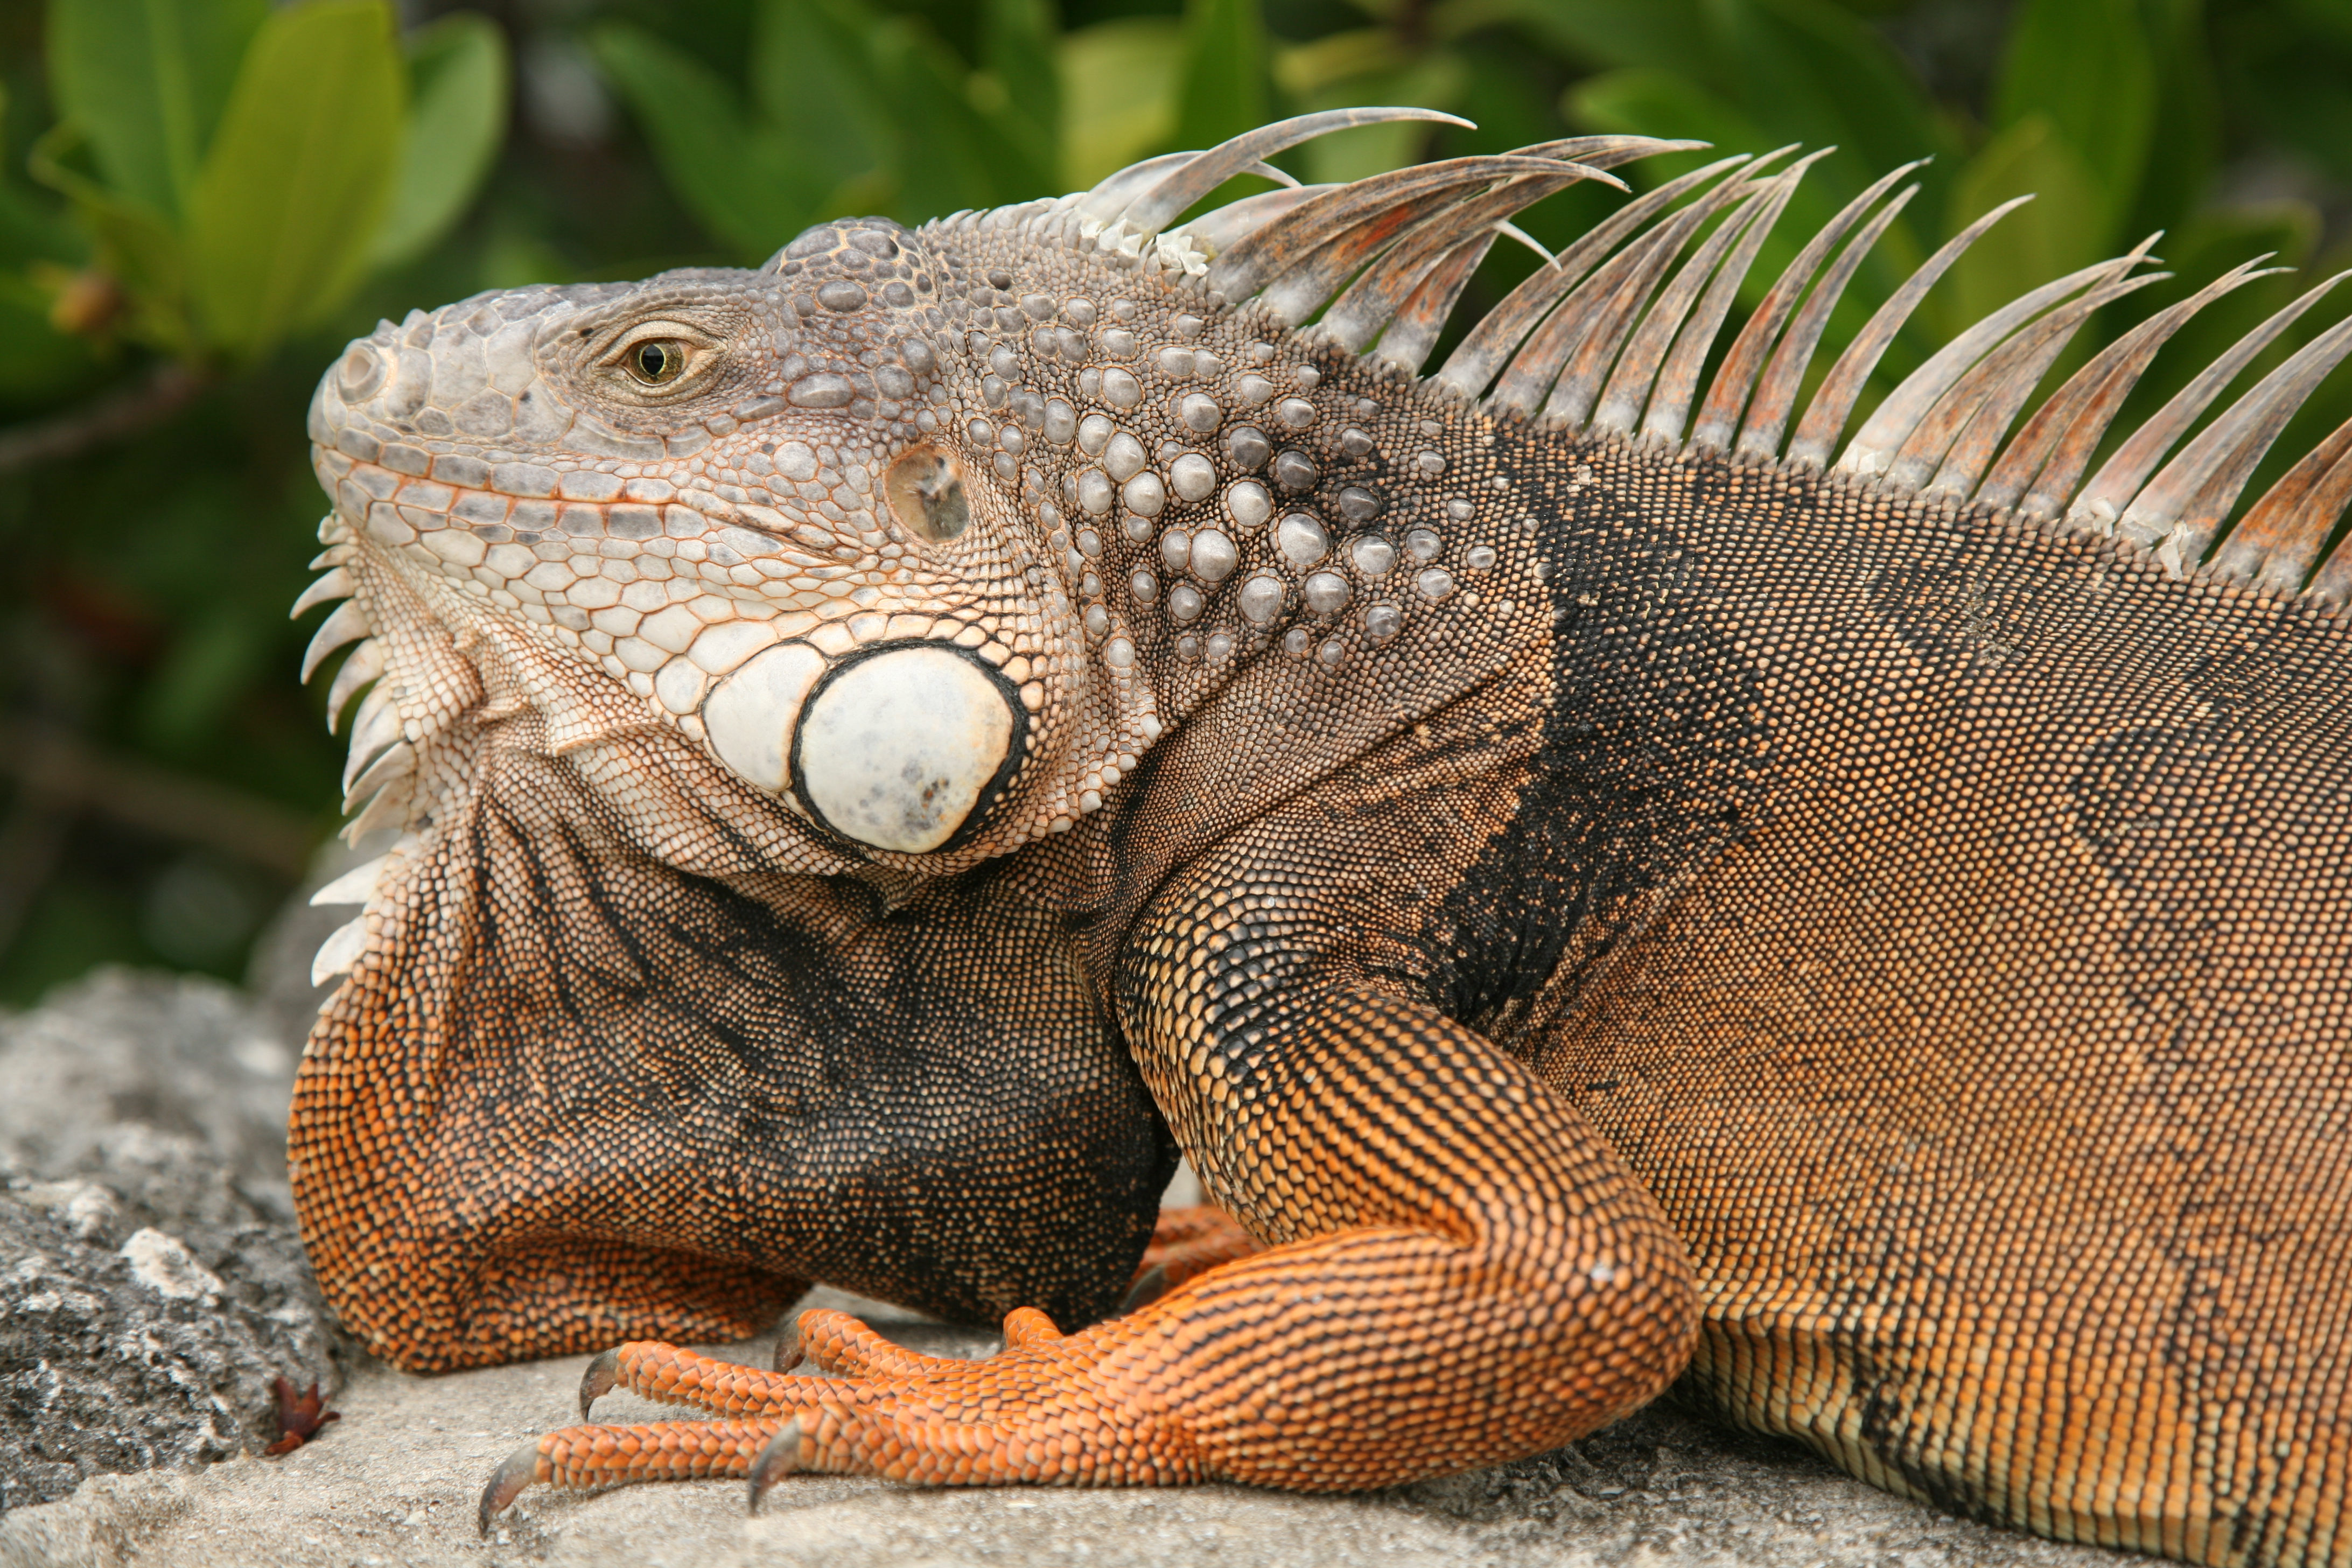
x: 1467, y: 1298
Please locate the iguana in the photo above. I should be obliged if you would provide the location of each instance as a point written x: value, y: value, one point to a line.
x: 890, y: 747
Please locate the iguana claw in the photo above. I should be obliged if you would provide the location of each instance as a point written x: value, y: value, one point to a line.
x: 508, y: 1482
x: 1150, y: 1286
x: 779, y: 1458
x: 598, y: 1380
x: 1186, y: 1242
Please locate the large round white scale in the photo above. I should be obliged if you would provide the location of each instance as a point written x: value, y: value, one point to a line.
x: 897, y: 749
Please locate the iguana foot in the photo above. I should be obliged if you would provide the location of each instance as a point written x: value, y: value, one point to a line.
x: 1316, y: 1365
x: 826, y: 1343
x: 1045, y: 1407
x: 1186, y: 1243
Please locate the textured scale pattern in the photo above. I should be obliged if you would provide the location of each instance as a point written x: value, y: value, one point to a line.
x: 1604, y: 871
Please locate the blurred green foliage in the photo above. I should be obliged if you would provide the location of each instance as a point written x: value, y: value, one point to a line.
x: 236, y: 170
x: 200, y: 199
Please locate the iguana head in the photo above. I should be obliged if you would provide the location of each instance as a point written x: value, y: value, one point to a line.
x: 919, y: 540
x: 794, y: 517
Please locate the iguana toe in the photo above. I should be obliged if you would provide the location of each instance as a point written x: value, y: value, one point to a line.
x: 837, y: 1345
x: 1149, y: 1287
x: 585, y: 1456
x: 1028, y: 1326
x: 1185, y: 1243
x: 670, y: 1375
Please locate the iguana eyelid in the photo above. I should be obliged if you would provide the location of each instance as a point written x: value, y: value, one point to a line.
x: 703, y: 352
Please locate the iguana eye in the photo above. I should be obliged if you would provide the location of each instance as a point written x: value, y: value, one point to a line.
x: 656, y: 359
x: 926, y: 493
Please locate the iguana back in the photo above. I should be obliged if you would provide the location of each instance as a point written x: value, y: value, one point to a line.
x: 1995, y: 1072
x: 1583, y: 875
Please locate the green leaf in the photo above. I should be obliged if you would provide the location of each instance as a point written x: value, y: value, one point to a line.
x: 1645, y: 103
x: 2062, y: 228
x: 1119, y: 95
x: 201, y: 674
x: 147, y: 80
x: 815, y: 80
x: 1811, y: 72
x: 952, y: 153
x: 295, y: 185
x: 2190, y: 133
x: 33, y: 230
x: 2329, y: 17
x: 1017, y: 41
x: 1665, y: 35
x: 2294, y: 84
x: 135, y: 246
x: 457, y: 118
x: 2086, y: 67
x: 35, y: 360
x: 1223, y: 89
x: 740, y: 179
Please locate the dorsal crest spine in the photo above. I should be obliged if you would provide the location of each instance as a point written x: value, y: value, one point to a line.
x: 1609, y: 336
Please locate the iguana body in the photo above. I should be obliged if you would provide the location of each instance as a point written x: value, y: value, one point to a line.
x: 877, y: 735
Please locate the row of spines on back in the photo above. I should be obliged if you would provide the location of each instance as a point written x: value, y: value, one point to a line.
x: 1613, y: 333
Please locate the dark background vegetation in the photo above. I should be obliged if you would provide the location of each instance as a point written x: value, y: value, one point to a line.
x: 185, y: 240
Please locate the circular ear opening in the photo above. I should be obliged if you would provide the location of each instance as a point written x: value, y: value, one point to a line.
x: 925, y: 489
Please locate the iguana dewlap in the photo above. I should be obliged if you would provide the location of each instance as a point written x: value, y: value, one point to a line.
x: 889, y: 747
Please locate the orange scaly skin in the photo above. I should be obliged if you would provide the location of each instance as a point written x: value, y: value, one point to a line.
x: 890, y: 748
x: 1282, y: 1368
x: 1188, y: 1242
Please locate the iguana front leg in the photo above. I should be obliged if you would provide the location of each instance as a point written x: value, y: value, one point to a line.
x: 1461, y: 1271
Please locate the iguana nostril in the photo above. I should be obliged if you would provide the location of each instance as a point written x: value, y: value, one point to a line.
x: 359, y: 374
x: 898, y: 750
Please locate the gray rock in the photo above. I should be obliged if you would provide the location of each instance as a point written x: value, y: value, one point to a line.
x: 152, y: 1285
x: 181, y: 1055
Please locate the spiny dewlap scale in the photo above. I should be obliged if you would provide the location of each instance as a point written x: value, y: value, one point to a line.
x: 1602, y: 869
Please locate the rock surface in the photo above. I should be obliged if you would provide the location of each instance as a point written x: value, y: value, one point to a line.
x: 151, y: 1285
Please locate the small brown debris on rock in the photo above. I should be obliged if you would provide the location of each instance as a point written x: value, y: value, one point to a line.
x: 299, y: 1418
